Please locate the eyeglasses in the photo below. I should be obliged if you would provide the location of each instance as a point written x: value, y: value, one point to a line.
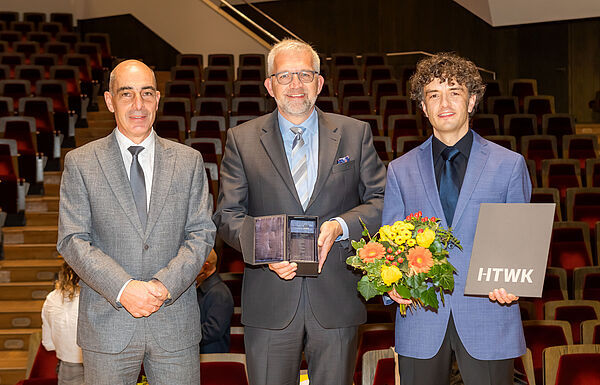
x: 285, y: 77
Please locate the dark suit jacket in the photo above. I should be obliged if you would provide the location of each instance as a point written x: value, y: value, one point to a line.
x: 256, y: 181
x: 216, y: 308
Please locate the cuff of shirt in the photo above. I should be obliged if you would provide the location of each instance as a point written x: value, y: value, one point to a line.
x: 387, y: 300
x: 342, y: 223
x: 121, y: 292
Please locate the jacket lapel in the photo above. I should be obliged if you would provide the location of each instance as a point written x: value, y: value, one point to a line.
x: 111, y: 163
x: 425, y: 164
x: 477, y: 160
x: 329, y: 140
x: 272, y: 141
x: 164, y: 166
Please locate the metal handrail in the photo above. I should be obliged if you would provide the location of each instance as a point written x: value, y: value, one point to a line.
x: 273, y: 20
x: 249, y: 20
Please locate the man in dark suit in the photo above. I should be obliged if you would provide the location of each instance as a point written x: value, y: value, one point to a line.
x: 299, y: 160
x: 448, y: 177
x: 134, y: 223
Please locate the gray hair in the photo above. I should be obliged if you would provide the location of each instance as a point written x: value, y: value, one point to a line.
x: 287, y: 45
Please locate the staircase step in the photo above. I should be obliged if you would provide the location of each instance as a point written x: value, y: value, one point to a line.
x: 15, y: 339
x: 21, y: 314
x: 29, y: 251
x: 100, y: 115
x: 29, y: 270
x: 42, y: 219
x: 30, y: 234
x: 19, y: 291
x: 41, y: 204
x: 13, y: 365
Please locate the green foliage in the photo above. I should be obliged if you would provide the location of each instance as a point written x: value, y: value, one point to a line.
x: 367, y: 288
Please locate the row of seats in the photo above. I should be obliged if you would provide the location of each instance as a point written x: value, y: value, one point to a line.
x: 64, y: 19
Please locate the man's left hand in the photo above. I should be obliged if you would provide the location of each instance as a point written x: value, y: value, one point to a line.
x: 330, y: 230
x: 502, y: 296
x: 157, y: 289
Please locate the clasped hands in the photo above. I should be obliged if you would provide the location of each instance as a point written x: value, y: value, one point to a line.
x: 141, y: 298
x: 329, y: 232
x: 499, y: 295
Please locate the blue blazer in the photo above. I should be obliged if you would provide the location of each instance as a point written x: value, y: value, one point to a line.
x: 488, y: 330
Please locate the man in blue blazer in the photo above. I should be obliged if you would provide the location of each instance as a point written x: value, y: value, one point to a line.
x: 485, y: 334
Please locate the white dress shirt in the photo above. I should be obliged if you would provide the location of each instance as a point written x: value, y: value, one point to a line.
x: 59, y: 326
x: 146, y: 159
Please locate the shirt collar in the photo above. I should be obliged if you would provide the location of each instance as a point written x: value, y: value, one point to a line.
x: 463, y: 145
x: 125, y: 142
x: 309, y: 126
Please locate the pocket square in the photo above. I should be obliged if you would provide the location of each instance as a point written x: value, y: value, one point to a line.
x: 343, y: 160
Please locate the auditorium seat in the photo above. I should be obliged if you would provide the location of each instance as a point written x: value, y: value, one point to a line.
x: 27, y: 48
x: 539, y: 105
x: 381, y: 88
x: 236, y: 339
x: 506, y: 141
x: 485, y: 124
x: 374, y: 121
x: 53, y: 28
x: 548, y: 195
x: 346, y: 72
x: 583, y: 204
x: 572, y: 365
x: 573, y: 311
x: 570, y: 246
x: 378, y: 72
x: 70, y: 38
x: 22, y: 26
x: 57, y: 48
x: 328, y: 104
x: 379, y: 367
x: 9, y: 16
x: 223, y: 369
x: 394, y: 105
x: 558, y: 125
x: 218, y: 73
x: 358, y: 105
x: 181, y: 89
x: 39, y: 37
x: 30, y: 72
x: 46, y: 60
x: 244, y: 105
x: 590, y: 332
x: 208, y: 127
x: 406, y: 143
x: 11, y: 37
x: 239, y: 119
x: 327, y: 89
x: 251, y: 88
x: 255, y: 73
x: 539, y: 335
x: 7, y: 107
x: 343, y: 59
x: 252, y: 60
x: 492, y: 88
x: 216, y: 89
x: 48, y: 139
x: 64, y: 18
x: 522, y: 88
x: 194, y: 60
x: 12, y: 60
x: 580, y: 147
x: 170, y: 127
x: 372, y: 337
x: 503, y: 105
x: 586, y: 282
x: 209, y: 106
x: 35, y: 17
x: 383, y: 146
x: 210, y: 148
x: 351, y: 88
x: 175, y: 107
x: 103, y: 40
x: 212, y: 173
x: 592, y: 172
x: 561, y: 174
x: 403, y: 125
x: 221, y: 60
x: 186, y: 72
x: 15, y: 89
x: 94, y: 52
x: 539, y: 148
x: 519, y: 125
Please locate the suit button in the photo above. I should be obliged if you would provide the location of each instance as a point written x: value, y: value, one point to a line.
x: 146, y: 247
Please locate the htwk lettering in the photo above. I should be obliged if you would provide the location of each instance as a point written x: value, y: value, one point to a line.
x: 499, y: 274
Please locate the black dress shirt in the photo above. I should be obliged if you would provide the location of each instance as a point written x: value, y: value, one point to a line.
x: 461, y: 160
x: 216, y: 308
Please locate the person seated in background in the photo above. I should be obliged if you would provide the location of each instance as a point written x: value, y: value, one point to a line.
x: 216, y: 308
x: 59, y: 326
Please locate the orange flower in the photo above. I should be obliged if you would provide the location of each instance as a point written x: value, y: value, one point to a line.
x: 371, y: 251
x: 420, y: 259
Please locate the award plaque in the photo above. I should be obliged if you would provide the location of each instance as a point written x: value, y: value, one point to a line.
x: 278, y: 238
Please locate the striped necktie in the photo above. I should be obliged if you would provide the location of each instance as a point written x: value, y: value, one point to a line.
x: 299, y: 166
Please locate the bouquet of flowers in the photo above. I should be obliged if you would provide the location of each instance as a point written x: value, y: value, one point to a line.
x: 409, y: 256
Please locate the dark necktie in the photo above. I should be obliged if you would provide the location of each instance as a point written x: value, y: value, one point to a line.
x: 449, y: 183
x: 138, y: 184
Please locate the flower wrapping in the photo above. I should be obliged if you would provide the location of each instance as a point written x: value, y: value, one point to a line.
x: 410, y: 256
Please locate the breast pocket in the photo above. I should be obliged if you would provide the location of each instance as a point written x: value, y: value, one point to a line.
x: 340, y: 167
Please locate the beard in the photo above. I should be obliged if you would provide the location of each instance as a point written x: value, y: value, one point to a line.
x: 297, y: 107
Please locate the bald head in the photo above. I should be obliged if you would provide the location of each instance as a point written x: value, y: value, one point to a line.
x: 128, y: 66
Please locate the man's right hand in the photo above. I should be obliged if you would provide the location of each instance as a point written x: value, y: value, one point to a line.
x: 284, y: 270
x: 138, y: 300
x: 396, y: 297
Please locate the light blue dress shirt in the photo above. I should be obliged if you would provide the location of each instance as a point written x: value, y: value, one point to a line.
x: 310, y: 136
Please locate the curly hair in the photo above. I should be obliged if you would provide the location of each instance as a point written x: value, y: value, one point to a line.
x: 446, y: 66
x: 68, y: 282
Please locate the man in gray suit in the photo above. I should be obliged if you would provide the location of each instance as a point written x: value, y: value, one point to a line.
x: 135, y: 226
x: 299, y: 160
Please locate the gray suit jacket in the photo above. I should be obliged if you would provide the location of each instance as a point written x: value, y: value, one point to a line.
x: 100, y: 236
x: 256, y: 181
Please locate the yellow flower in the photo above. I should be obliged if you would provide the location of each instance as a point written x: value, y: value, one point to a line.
x: 411, y: 242
x: 426, y: 238
x: 386, y: 234
x: 390, y: 274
